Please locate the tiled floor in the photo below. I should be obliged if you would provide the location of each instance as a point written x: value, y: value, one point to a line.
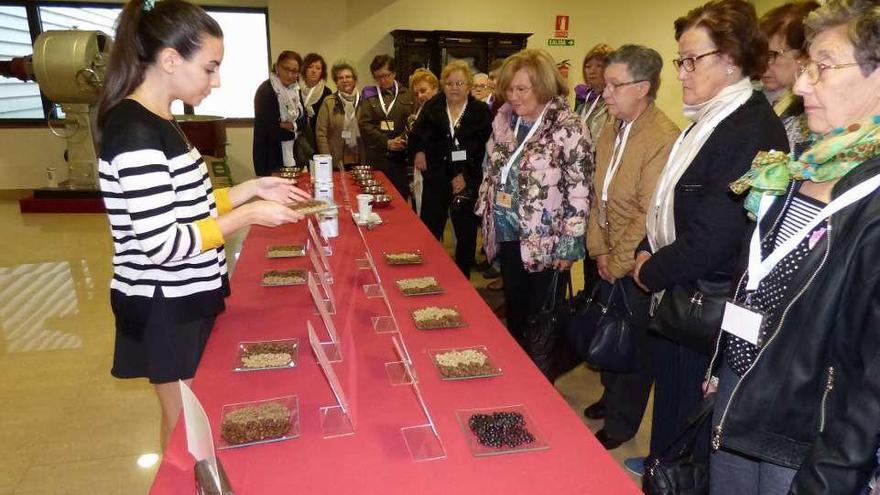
x: 66, y: 426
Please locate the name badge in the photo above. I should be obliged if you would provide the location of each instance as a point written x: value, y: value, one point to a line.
x: 387, y: 125
x: 346, y: 134
x: 504, y: 199
x: 459, y: 155
x: 743, y: 322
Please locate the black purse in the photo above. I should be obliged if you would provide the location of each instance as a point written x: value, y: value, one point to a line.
x: 612, y: 347
x: 544, y: 340
x: 600, y: 329
x: 676, y: 471
x: 691, y: 315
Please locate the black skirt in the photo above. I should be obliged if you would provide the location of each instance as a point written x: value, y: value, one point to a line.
x: 162, y: 348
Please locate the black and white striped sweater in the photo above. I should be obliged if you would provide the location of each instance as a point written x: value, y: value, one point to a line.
x: 161, y: 208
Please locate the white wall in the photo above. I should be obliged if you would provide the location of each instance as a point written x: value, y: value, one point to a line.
x: 358, y: 30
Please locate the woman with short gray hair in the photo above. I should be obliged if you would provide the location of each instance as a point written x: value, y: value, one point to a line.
x: 337, y: 125
x: 630, y: 155
x: 804, y: 400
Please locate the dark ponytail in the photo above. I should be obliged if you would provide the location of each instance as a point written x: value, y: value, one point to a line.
x: 140, y: 36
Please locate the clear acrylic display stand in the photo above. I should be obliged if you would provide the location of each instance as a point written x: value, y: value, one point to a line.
x: 386, y: 323
x: 401, y: 372
x: 422, y: 441
x: 318, y: 270
x: 332, y: 347
x: 343, y: 179
x: 336, y: 420
x: 320, y: 242
x: 373, y: 290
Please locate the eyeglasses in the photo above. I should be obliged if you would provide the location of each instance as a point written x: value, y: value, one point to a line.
x: 690, y: 63
x: 383, y: 75
x: 612, y: 87
x: 294, y: 70
x: 814, y: 69
x: 455, y: 84
x: 481, y: 86
x: 518, y: 90
x: 775, y: 54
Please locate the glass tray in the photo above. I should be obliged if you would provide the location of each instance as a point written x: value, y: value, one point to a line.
x: 423, y: 326
x: 490, y: 370
x: 290, y: 345
x: 290, y: 401
x: 297, y: 251
x: 436, y: 290
x: 396, y: 263
x: 480, y: 450
x: 299, y: 272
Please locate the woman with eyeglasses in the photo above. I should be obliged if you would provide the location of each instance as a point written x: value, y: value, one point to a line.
x: 798, y: 367
x: 279, y: 116
x: 535, y: 192
x: 337, y: 127
x: 447, y: 144
x: 784, y: 28
x: 695, y: 224
x: 630, y: 156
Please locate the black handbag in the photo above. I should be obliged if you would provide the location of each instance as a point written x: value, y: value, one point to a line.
x: 612, y: 347
x: 691, y: 315
x: 600, y: 329
x: 676, y: 471
x: 543, y: 338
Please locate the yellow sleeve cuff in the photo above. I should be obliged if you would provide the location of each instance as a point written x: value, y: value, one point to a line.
x: 209, y: 231
x: 221, y: 197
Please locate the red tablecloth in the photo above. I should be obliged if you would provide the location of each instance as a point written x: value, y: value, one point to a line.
x: 375, y: 459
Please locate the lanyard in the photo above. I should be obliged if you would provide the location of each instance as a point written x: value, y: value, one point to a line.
x: 758, y: 268
x: 505, y: 170
x: 616, y: 158
x: 454, y: 123
x: 586, y: 115
x: 387, y: 110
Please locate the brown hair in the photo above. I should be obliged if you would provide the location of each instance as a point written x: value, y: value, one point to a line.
x: 285, y: 55
x: 141, y: 35
x: 788, y: 21
x: 460, y: 66
x: 312, y: 58
x: 601, y: 51
x: 341, y: 65
x: 733, y: 27
x: 546, y: 80
x: 422, y: 75
x: 380, y: 61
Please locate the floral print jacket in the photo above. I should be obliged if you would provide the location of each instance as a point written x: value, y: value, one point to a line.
x: 554, y: 175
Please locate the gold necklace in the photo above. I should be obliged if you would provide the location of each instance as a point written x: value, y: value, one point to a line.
x: 177, y: 128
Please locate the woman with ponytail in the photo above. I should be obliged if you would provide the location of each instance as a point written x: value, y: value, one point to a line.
x: 168, y: 224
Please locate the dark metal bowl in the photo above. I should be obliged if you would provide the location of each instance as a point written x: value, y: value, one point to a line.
x: 374, y: 190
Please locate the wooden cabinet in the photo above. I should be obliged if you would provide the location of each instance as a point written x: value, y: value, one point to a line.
x: 433, y: 49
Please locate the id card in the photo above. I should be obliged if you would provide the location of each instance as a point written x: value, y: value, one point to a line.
x: 387, y: 125
x: 504, y: 199
x: 346, y: 135
x: 459, y: 155
x: 742, y: 322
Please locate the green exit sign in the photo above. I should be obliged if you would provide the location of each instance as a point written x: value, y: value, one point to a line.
x: 560, y: 42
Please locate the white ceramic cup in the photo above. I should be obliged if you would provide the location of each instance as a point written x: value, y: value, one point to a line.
x: 364, y: 207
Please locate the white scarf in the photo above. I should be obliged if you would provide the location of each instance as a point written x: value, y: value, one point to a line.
x: 349, y: 109
x: 706, y: 117
x: 312, y: 95
x: 289, y: 103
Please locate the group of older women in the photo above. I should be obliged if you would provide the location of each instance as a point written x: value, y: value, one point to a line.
x: 668, y: 217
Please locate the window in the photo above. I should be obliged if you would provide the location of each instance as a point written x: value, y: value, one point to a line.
x: 244, y: 67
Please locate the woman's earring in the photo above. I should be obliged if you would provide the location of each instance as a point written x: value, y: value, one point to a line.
x: 729, y: 70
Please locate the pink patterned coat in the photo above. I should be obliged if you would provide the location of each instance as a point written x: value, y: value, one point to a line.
x: 555, y: 172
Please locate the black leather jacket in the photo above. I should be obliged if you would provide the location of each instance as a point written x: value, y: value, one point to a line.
x: 811, y: 400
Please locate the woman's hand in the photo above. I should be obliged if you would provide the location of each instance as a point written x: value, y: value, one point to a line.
x: 641, y: 258
x: 710, y: 386
x: 290, y: 126
x: 458, y: 184
x: 397, y: 144
x: 562, y: 265
x: 420, y: 162
x: 271, y: 214
x: 604, y: 271
x: 279, y: 190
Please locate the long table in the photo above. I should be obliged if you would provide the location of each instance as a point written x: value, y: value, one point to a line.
x: 375, y: 459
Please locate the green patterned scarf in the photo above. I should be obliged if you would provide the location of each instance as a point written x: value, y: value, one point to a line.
x: 830, y: 157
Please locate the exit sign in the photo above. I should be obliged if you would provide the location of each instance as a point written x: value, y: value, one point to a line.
x: 560, y: 42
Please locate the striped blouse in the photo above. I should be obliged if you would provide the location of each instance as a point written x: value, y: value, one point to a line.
x: 162, y: 211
